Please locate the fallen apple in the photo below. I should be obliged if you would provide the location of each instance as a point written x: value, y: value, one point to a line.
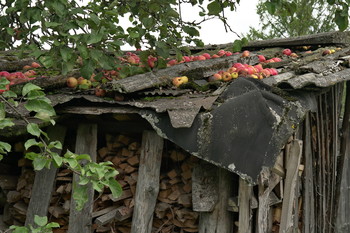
x: 177, y: 81
x: 72, y: 82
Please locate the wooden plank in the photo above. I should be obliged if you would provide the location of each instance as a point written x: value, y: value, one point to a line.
x: 44, y: 180
x: 327, y: 38
x: 245, y: 213
x: 147, y: 183
x: 271, y: 179
x: 205, y: 183
x: 344, y: 144
x: 220, y: 219
x: 148, y: 80
x: 308, y: 194
x: 290, y: 186
x: 86, y: 143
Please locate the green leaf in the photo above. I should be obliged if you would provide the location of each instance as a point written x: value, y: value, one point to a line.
x: 191, y: 31
x: 94, y: 18
x: 40, y: 221
x: 73, y: 163
x: 31, y: 155
x: 83, y: 180
x: 31, y: 142
x: 271, y: 7
x: 55, y: 144
x: 115, y: 188
x: 94, y: 38
x: 83, y: 156
x: 341, y: 19
x: 18, y: 229
x: 134, y: 34
x: 97, y: 186
x: 40, y: 106
x: 9, y: 94
x: 33, y: 129
x: 238, y: 44
x: 331, y: 2
x: 52, y: 24
x: 43, y: 116
x: 39, y: 163
x: 30, y: 87
x: 214, y: 8
x: 57, y: 159
x: 6, y: 123
x: 66, y: 53
x: 47, y: 61
x: 5, y: 147
x: 83, y: 51
x: 87, y: 69
x: 80, y: 195
x: 2, y: 111
x: 52, y: 225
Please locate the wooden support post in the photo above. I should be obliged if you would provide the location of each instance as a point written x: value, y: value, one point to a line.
x: 86, y: 143
x: 44, y: 180
x: 147, y: 187
x: 309, y: 201
x: 290, y: 192
x: 271, y: 180
x: 245, y: 212
x: 211, y: 191
x: 205, y: 181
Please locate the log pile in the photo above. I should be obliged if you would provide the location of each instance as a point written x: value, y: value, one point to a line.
x: 18, y: 196
x: 173, y: 211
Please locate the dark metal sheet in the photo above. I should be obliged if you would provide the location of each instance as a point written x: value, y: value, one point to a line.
x: 243, y: 134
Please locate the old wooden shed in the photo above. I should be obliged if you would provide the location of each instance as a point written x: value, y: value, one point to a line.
x: 249, y: 155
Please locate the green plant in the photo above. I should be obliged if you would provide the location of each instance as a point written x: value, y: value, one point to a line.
x: 42, y: 226
x: 100, y: 175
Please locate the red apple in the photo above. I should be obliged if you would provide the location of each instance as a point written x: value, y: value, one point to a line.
x: 186, y: 59
x: 276, y: 59
x: 245, y: 53
x: 287, y: 52
x: 261, y: 58
x: 100, y: 92
x: 258, y: 67
x: 232, y: 69
x: 215, y: 77
x: 215, y: 56
x: 72, y: 82
x: 226, y: 76
x: 201, y: 58
x: 228, y: 53
x: 206, y: 55
x: 35, y: 65
x: 151, y: 61
x: 172, y: 62
x: 27, y: 67
x: 221, y: 53
x: 265, y: 73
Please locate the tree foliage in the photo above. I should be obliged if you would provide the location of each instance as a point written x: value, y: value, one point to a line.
x: 70, y: 28
x: 293, y: 18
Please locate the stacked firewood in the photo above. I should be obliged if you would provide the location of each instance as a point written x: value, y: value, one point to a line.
x: 116, y: 213
x: 173, y: 211
x: 18, y: 198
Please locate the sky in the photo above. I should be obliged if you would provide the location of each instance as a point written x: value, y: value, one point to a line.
x: 213, y: 31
